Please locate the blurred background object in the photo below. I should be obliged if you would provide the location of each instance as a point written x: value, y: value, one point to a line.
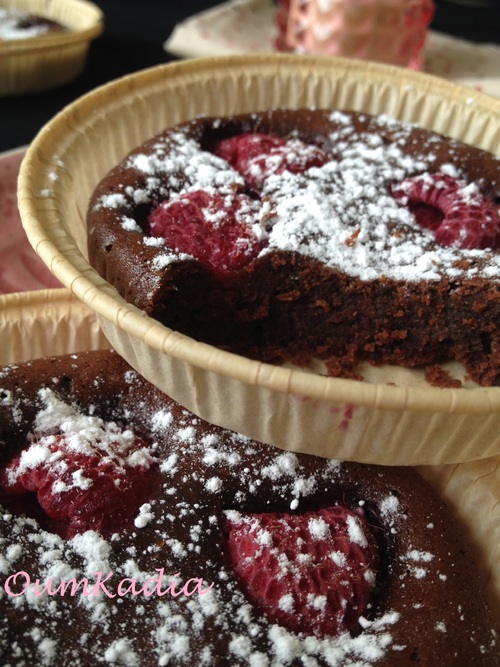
x: 389, y: 31
x: 134, y: 35
x: 33, y: 60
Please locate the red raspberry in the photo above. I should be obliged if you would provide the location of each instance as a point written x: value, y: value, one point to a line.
x: 456, y: 211
x: 312, y: 573
x: 84, y: 490
x: 258, y: 156
x: 220, y: 230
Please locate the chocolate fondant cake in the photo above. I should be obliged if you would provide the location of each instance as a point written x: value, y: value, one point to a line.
x: 134, y: 533
x: 18, y: 24
x: 289, y: 235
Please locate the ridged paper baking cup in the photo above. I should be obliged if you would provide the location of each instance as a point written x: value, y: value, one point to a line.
x: 45, y: 323
x: 372, y: 422
x: 52, y: 322
x: 41, y: 63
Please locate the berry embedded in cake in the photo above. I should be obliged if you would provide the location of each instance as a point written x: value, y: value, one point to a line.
x: 192, y: 545
x: 293, y: 235
x: 455, y: 210
x: 311, y: 572
x: 258, y: 156
x: 214, y: 228
x: 84, y: 474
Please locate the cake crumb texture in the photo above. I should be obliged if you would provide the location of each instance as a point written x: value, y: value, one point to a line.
x: 358, y: 239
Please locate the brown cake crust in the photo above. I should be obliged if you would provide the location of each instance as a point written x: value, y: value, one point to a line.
x: 427, y: 605
x: 287, y: 304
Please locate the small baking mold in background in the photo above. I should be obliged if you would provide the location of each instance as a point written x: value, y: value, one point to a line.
x: 37, y: 64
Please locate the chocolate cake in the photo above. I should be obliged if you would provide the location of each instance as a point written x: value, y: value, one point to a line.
x: 292, y: 235
x: 134, y: 533
x: 18, y: 24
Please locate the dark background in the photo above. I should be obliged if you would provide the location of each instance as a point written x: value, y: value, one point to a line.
x: 133, y: 38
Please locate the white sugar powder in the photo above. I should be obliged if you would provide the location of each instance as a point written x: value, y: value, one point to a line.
x: 161, y: 420
x: 47, y: 648
x: 441, y: 627
x: 355, y: 531
x: 144, y: 517
x: 176, y: 526
x: 318, y: 528
x: 213, y: 456
x: 340, y: 213
x: 213, y: 485
x: 420, y: 556
x: 286, y: 603
x: 94, y: 550
x: 338, y: 558
x: 13, y: 25
x: 415, y: 558
x: 130, y: 225
x: 82, y: 434
x: 113, y: 201
x: 389, y: 506
x: 284, y: 465
x: 121, y: 653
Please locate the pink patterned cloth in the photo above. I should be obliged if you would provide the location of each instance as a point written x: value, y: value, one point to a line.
x: 21, y: 269
x: 389, y: 31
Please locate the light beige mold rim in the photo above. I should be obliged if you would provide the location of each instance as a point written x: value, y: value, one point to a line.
x: 71, y: 267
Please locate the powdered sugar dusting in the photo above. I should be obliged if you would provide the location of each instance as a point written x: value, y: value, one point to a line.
x: 84, y: 434
x: 355, y: 531
x: 344, y: 215
x: 15, y: 24
x: 341, y: 213
x: 90, y: 553
x: 164, y: 593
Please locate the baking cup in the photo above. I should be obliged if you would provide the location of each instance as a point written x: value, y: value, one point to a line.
x: 44, y: 323
x: 395, y: 420
x: 41, y: 63
x: 52, y: 322
x: 388, y: 31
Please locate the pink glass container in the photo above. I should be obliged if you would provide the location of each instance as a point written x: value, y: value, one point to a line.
x: 389, y: 31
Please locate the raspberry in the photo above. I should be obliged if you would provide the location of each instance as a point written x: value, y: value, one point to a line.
x: 312, y: 573
x: 258, y: 156
x: 220, y: 230
x: 81, y: 487
x: 457, y: 213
